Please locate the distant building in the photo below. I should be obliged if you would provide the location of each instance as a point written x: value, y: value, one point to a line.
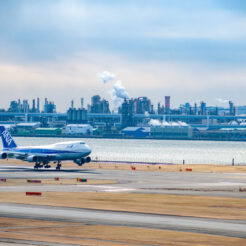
x: 136, y: 132
x: 160, y: 109
x: 77, y: 116
x: 99, y: 106
x: 169, y: 130
x: 143, y: 105
x: 78, y: 129
x: 127, y: 110
x: 14, y: 107
x: 49, y: 107
x: 27, y: 128
x: 203, y: 109
x: 232, y: 108
x: 167, y: 104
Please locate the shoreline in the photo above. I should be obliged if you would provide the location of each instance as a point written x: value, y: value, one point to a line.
x: 127, y: 138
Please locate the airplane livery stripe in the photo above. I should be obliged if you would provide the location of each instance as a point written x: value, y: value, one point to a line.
x: 45, y: 151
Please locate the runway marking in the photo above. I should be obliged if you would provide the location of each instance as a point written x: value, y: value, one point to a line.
x: 120, y: 190
x: 218, y: 184
x: 105, y: 188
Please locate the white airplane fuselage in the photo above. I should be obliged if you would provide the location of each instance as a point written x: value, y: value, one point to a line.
x: 59, y: 151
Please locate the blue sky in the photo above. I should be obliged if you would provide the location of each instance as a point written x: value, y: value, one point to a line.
x: 192, y: 50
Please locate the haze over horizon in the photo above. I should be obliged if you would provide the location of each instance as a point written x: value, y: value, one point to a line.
x: 192, y: 50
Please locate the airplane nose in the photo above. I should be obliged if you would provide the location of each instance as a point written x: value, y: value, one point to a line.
x: 88, y: 149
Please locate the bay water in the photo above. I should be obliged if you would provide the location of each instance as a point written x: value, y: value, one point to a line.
x: 157, y: 151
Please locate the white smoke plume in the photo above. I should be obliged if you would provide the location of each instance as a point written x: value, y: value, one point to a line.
x: 222, y: 100
x: 106, y: 76
x: 119, y: 93
x: 146, y: 113
x: 153, y: 122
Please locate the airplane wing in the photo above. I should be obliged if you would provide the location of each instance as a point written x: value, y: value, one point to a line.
x: 17, y: 155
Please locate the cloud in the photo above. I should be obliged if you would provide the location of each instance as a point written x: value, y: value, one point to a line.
x: 156, y: 30
x: 75, y: 77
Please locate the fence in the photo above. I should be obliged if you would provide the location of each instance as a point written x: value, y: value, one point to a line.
x: 155, y: 161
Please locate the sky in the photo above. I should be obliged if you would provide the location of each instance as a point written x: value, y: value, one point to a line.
x: 192, y: 50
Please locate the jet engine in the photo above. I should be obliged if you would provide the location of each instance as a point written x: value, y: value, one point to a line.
x: 32, y: 158
x: 82, y: 161
x: 3, y: 155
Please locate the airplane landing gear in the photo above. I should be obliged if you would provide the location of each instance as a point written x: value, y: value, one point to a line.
x: 38, y: 165
x: 58, y: 167
x: 44, y: 164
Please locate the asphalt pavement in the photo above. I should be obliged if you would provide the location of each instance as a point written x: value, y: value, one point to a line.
x: 232, y: 228
x: 205, y: 184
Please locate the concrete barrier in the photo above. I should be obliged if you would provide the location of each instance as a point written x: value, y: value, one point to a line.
x: 242, y: 189
x: 81, y: 180
x: 33, y: 193
x: 34, y: 181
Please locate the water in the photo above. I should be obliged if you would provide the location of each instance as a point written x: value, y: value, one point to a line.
x: 161, y: 151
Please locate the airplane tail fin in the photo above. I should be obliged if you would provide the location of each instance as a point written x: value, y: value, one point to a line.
x: 8, y: 141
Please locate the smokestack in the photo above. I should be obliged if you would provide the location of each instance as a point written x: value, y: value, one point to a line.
x: 195, y: 109
x: 19, y: 105
x: 82, y: 103
x: 167, y: 104
x: 33, y: 106
x: 46, y: 105
x: 38, y: 105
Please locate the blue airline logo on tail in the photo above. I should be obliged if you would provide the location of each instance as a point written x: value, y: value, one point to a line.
x: 7, y: 137
x: 7, y: 140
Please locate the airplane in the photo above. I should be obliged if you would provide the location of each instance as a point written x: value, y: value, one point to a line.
x: 77, y: 151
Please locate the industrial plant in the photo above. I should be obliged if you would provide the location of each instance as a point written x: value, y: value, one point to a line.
x: 135, y: 118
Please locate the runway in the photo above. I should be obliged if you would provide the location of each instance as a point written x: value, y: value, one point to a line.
x: 202, y: 184
x: 92, y: 216
x: 184, y: 183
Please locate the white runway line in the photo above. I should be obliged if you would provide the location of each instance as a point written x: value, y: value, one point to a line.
x: 105, y: 188
x: 120, y: 190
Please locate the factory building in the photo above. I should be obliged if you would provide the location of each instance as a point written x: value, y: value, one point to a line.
x: 26, y: 128
x: 127, y: 110
x: 49, y: 107
x: 78, y: 129
x: 99, y: 106
x: 48, y: 131
x: 24, y: 107
x: 143, y: 105
x: 77, y: 115
x: 171, y: 130
x: 167, y: 104
x: 232, y: 108
x: 136, y: 132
